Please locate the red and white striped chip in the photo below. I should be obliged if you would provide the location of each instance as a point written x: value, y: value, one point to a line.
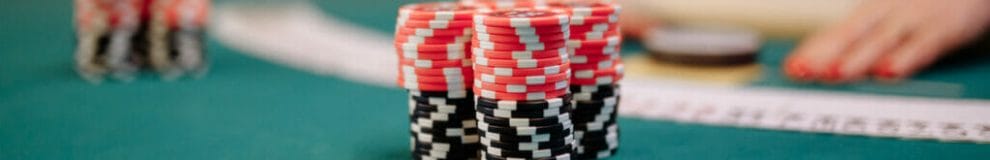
x: 520, y: 63
x: 516, y: 88
x: 560, y: 52
x: 528, y: 80
x: 522, y: 72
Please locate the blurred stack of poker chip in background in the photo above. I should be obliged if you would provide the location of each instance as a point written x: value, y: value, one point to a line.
x: 521, y: 67
x: 432, y: 41
x: 596, y: 68
x: 120, y: 37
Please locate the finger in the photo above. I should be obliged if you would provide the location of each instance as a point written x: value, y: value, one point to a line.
x: 919, y: 50
x: 855, y: 64
x: 820, y: 50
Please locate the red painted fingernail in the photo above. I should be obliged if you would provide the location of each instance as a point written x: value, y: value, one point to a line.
x: 833, y: 73
x: 798, y: 69
x: 884, y: 71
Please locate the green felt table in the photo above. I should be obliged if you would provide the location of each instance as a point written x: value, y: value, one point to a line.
x: 248, y: 108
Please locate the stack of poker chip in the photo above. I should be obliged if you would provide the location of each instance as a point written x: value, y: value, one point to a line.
x: 596, y: 67
x: 432, y: 41
x: 119, y: 38
x: 521, y: 75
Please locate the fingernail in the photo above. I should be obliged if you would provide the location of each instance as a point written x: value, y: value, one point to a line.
x: 798, y: 69
x: 885, y: 71
x: 832, y: 73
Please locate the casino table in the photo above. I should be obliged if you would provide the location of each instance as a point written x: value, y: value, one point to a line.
x: 249, y: 108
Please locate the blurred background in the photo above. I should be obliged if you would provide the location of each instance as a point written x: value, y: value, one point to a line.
x: 315, y: 80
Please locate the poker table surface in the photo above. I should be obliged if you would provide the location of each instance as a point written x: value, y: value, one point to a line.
x: 249, y: 108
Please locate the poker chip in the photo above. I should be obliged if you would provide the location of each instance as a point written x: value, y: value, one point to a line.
x: 506, y: 4
x: 592, y: 88
x: 513, y: 88
x: 446, y: 94
x: 524, y: 122
x: 498, y: 71
x: 586, y: 8
x: 412, y: 39
x: 435, y: 63
x: 449, y: 71
x: 608, y: 79
x: 449, y: 55
x: 437, y: 11
x: 450, y: 109
x: 557, y: 128
x: 521, y: 38
x: 448, y: 80
x: 522, y: 31
x: 524, y: 139
x: 527, y: 146
x: 520, y: 63
x: 555, y: 157
x: 442, y: 100
x: 528, y: 80
x: 539, y: 153
x: 595, y: 44
x: 434, y: 24
x: 439, y: 116
x: 581, y: 20
x: 428, y: 32
x: 595, y: 51
x: 518, y: 46
x: 592, y: 35
x: 596, y: 66
x: 586, y: 59
x: 522, y: 17
x: 617, y: 70
x: 524, y: 113
x: 594, y: 27
x: 520, y: 96
x: 524, y: 105
x: 598, y: 155
x: 478, y: 52
x: 431, y: 47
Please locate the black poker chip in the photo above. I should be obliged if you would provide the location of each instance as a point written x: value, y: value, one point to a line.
x: 443, y: 131
x: 442, y: 94
x: 522, y: 138
x: 593, y: 126
x: 606, y: 101
x: 441, y: 116
x: 423, y: 122
x: 576, y: 118
x: 524, y: 105
x: 443, y: 108
x: 442, y: 100
x: 559, y: 128
x: 524, y: 122
x: 589, y: 111
x: 599, y: 133
x: 596, y: 155
x: 527, y: 146
x: 433, y: 138
x: 592, y: 88
x: 552, y: 112
x: 568, y: 156
x: 444, y: 146
x: 543, y: 153
x: 585, y: 96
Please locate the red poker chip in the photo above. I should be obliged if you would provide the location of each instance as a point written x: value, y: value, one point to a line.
x: 595, y: 44
x: 594, y: 27
x: 431, y: 87
x: 521, y: 39
x: 433, y: 32
x: 586, y: 8
x: 528, y: 80
x: 452, y: 55
x: 467, y: 78
x: 450, y: 71
x: 560, y: 52
x: 602, y: 50
x: 413, y: 47
x: 515, y: 72
x: 515, y: 88
x: 582, y: 20
x: 540, y: 30
x: 520, y: 63
x: 437, y: 11
x: 608, y: 79
x: 616, y: 70
x: 595, y: 66
x: 434, y: 24
x: 518, y: 46
x: 520, y: 96
x: 594, y: 35
x: 522, y: 17
x: 435, y: 63
x: 505, y: 4
x: 593, y: 59
x: 412, y: 39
